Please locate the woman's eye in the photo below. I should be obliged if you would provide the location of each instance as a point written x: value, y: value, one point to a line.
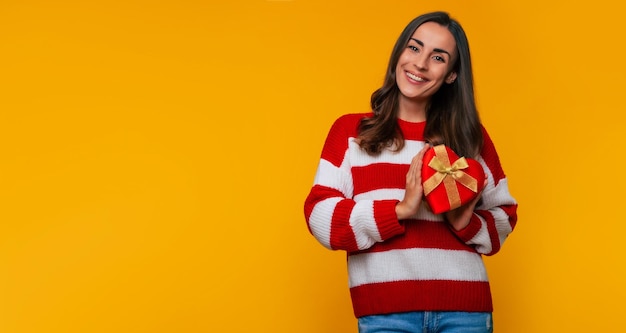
x: 439, y: 58
x: 414, y: 48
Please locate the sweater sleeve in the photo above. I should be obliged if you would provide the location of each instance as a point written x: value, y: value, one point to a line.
x: 496, y: 214
x: 333, y: 217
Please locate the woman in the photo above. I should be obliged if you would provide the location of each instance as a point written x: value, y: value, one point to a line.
x: 410, y: 269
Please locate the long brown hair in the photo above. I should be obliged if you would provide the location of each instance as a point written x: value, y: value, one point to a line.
x: 451, y: 117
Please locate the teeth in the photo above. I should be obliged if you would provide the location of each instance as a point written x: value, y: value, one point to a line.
x: 415, y: 77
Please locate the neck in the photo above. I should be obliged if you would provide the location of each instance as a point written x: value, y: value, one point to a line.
x: 412, y: 111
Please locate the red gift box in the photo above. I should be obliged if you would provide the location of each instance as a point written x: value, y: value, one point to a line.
x: 449, y: 181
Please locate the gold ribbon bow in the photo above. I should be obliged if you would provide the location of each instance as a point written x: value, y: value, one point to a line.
x: 449, y: 174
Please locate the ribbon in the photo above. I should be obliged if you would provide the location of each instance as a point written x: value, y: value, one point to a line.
x: 449, y: 174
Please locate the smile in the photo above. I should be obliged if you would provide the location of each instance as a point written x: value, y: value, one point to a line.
x: 415, y: 77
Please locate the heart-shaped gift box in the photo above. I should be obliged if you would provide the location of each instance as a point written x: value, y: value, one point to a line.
x: 450, y: 181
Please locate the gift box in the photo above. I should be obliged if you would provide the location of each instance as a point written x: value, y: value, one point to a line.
x: 450, y: 181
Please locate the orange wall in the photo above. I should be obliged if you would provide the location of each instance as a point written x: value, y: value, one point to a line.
x: 155, y: 155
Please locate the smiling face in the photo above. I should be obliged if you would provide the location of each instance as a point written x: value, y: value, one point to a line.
x: 424, y: 65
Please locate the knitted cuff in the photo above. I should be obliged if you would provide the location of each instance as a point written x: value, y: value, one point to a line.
x: 386, y: 219
x: 466, y: 234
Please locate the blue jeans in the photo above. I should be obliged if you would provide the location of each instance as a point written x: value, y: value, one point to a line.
x: 428, y: 322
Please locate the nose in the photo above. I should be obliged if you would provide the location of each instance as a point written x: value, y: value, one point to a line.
x: 421, y: 61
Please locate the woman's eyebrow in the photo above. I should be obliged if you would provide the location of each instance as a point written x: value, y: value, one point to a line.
x: 435, y: 49
x: 418, y: 41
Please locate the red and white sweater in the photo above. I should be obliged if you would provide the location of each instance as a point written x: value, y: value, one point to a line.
x: 418, y: 264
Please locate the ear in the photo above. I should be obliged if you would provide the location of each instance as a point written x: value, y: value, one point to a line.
x: 451, y: 77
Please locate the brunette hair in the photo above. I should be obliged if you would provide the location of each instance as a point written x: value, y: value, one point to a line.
x: 451, y: 117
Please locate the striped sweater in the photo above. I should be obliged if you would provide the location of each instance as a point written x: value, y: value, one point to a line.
x: 417, y: 264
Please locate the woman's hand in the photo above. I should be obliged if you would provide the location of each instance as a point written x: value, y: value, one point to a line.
x: 460, y: 217
x: 414, y: 190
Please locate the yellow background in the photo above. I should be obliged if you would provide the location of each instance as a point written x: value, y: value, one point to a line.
x: 155, y: 155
